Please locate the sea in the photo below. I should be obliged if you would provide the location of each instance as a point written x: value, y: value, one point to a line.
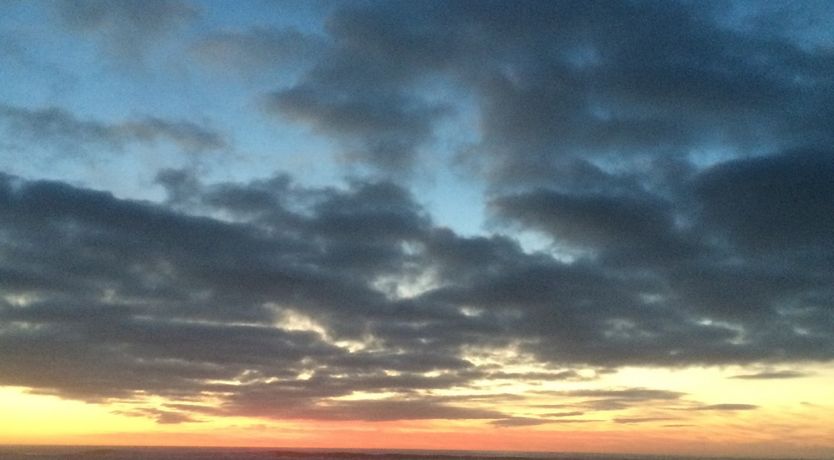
x: 214, y: 453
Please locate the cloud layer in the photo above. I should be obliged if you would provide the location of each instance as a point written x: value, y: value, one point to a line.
x: 300, y: 295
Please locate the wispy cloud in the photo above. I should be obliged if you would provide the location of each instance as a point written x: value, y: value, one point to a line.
x: 124, y: 29
x: 633, y: 420
x: 64, y: 130
x: 771, y: 375
x: 726, y: 407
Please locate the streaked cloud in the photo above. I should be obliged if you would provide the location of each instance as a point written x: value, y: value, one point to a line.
x: 63, y: 130
x: 771, y: 375
x: 632, y: 420
x: 727, y: 407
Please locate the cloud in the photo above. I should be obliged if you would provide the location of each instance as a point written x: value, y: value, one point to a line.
x: 617, y: 399
x: 124, y: 29
x: 258, y: 49
x: 551, y: 85
x: 378, y: 125
x: 771, y: 375
x: 773, y: 203
x: 361, y: 93
x: 565, y: 414
x: 613, y: 226
x: 519, y: 421
x: 633, y: 420
x: 726, y: 407
x: 62, y: 130
x: 341, y: 291
x: 632, y: 394
x: 367, y: 410
x: 176, y: 302
x: 164, y: 417
x: 569, y: 375
x: 528, y: 421
x: 319, y: 281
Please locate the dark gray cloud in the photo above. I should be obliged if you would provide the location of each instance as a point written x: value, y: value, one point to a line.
x: 613, y: 226
x: 781, y: 203
x: 362, y: 93
x: 141, y: 299
x: 740, y: 245
x: 379, y: 125
x: 304, y: 295
x: 63, y: 130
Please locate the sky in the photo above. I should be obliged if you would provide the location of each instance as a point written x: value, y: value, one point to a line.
x: 493, y: 225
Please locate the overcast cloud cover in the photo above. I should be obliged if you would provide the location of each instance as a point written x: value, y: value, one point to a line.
x: 208, y: 200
